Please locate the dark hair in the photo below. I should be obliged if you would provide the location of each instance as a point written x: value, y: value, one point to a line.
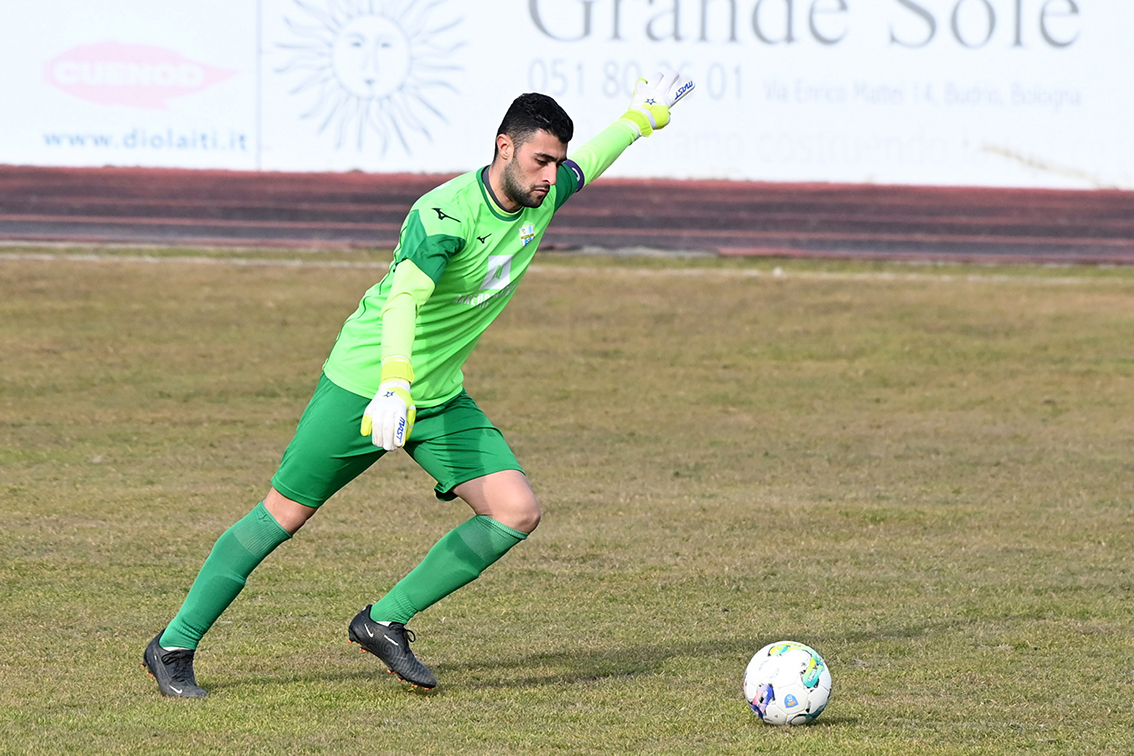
x: 534, y: 112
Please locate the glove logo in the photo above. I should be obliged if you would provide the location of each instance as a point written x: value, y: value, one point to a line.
x: 685, y: 88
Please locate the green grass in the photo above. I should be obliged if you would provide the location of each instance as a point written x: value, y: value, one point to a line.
x: 923, y: 471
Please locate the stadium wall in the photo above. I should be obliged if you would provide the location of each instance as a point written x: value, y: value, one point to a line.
x: 1013, y: 93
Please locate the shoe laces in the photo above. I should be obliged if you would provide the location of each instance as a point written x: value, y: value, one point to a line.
x: 180, y: 665
x: 406, y: 633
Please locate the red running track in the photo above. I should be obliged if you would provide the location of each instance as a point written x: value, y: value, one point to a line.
x: 355, y: 210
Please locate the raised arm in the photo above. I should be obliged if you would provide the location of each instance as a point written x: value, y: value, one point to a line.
x: 648, y: 112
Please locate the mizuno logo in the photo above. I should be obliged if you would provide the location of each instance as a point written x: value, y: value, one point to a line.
x: 442, y: 215
x: 483, y: 239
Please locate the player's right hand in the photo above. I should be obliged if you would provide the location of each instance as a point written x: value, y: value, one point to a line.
x: 653, y: 97
x: 389, y: 417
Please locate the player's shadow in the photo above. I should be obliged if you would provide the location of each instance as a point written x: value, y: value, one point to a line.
x: 722, y: 658
x: 577, y: 665
x: 724, y: 661
x: 581, y: 665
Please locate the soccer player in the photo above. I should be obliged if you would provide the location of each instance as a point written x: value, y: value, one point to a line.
x: 393, y: 380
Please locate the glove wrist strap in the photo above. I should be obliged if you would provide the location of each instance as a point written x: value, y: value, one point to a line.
x: 639, y: 121
x: 397, y: 368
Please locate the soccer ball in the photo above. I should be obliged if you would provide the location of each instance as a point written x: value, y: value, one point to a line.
x: 787, y: 683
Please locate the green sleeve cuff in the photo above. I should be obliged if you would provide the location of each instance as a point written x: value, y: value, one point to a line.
x: 409, y: 290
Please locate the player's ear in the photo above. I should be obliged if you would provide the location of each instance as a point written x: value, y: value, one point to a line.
x: 505, y: 148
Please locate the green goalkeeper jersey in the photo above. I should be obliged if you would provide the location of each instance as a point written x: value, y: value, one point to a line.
x: 476, y: 254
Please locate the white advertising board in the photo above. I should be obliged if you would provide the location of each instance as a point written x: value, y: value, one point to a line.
x: 945, y: 92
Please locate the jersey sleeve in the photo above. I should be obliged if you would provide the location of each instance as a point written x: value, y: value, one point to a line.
x: 410, y: 288
x: 430, y: 237
x: 593, y: 158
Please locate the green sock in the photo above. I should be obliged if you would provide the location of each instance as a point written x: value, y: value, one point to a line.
x: 454, y: 561
x: 235, y: 555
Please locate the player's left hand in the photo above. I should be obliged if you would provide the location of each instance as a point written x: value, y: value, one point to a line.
x: 653, y: 97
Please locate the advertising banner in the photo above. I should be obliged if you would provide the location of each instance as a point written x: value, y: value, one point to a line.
x: 944, y: 92
x: 123, y: 82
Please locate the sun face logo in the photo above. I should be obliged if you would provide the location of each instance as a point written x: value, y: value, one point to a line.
x: 374, y: 68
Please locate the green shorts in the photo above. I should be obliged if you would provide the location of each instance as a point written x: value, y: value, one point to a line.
x: 454, y: 442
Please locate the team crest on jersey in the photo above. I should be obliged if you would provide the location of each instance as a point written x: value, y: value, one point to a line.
x: 527, y: 233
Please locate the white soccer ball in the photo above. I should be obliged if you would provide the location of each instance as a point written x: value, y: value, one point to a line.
x: 787, y: 683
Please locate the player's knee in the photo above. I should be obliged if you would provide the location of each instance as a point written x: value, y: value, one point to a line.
x: 505, y: 497
x: 532, y: 517
x: 291, y: 515
x: 521, y: 514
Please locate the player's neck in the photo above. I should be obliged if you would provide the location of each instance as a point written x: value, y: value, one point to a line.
x: 493, y: 181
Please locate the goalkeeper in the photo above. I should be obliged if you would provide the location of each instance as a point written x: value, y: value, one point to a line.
x: 393, y: 380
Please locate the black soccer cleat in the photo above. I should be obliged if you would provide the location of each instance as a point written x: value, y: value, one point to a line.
x: 390, y: 643
x: 173, y: 670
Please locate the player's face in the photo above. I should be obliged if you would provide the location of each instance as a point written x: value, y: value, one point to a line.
x: 530, y: 174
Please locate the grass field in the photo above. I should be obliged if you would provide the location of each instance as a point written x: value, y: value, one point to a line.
x: 924, y: 472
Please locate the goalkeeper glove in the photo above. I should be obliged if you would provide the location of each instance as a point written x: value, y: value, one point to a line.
x: 389, y: 417
x: 653, y: 97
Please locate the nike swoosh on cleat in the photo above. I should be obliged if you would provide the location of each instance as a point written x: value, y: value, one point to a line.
x: 176, y: 690
x: 399, y: 645
x: 368, y: 631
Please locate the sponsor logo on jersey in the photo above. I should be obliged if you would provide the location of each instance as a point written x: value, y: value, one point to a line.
x: 483, y: 298
x: 497, y: 281
x: 527, y: 233
x: 499, y: 272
